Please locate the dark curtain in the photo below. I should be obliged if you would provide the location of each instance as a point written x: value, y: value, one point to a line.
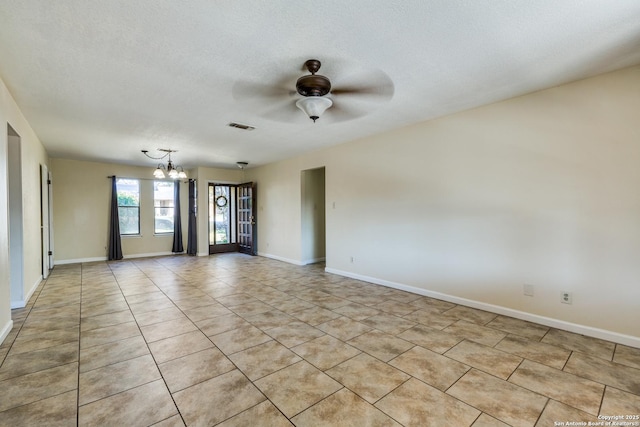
x: 192, y: 233
x: 115, y: 247
x: 177, y: 222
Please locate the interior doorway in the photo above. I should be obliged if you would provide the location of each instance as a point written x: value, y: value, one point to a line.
x: 232, y: 221
x: 313, y: 215
x: 16, y: 242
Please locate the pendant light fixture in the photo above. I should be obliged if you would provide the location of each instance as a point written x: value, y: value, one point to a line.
x: 174, y: 171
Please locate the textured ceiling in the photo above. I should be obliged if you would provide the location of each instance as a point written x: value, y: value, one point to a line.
x: 101, y: 80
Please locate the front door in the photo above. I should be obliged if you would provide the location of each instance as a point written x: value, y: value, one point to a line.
x: 222, y: 218
x: 232, y: 226
x: 247, y: 218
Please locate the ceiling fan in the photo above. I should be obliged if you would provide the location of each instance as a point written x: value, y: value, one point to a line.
x: 352, y: 97
x: 313, y: 87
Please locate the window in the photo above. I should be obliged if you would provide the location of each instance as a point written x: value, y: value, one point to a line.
x: 163, y: 206
x: 128, y: 205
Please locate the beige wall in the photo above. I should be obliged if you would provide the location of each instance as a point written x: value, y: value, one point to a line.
x: 33, y: 155
x: 543, y: 189
x: 81, y: 205
x: 279, y: 206
x: 81, y: 201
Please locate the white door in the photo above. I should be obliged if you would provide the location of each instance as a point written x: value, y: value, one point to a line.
x: 50, y: 222
x: 44, y: 218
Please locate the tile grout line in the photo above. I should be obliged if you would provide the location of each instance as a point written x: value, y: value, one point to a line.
x: 226, y: 356
x: 232, y: 284
x: 319, y: 401
x: 302, y: 359
x: 35, y: 297
x: 473, y: 406
x: 145, y: 341
x: 79, y: 345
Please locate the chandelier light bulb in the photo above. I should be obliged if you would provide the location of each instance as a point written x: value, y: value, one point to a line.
x: 174, y: 171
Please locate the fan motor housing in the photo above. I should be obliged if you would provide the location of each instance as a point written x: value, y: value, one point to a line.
x: 313, y: 85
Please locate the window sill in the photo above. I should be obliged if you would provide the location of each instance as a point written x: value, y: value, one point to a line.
x: 162, y: 234
x: 127, y: 236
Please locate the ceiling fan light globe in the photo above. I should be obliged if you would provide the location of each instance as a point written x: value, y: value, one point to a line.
x: 158, y: 173
x: 182, y: 175
x: 314, y: 106
x: 173, y: 174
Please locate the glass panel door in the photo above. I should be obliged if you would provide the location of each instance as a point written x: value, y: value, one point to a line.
x: 246, y: 218
x: 222, y: 218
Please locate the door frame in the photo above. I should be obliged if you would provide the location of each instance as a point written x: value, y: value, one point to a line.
x: 15, y: 217
x: 217, y: 248
x: 313, y: 215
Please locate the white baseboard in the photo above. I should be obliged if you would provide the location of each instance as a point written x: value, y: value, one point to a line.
x: 79, y: 260
x: 279, y: 258
x: 23, y: 303
x: 5, y: 330
x: 32, y: 290
x: 104, y: 258
x: 151, y: 254
x: 18, y: 304
x: 313, y: 261
x: 616, y: 337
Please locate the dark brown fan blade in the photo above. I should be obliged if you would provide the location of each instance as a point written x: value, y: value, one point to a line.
x: 282, y: 88
x: 340, y: 113
x: 374, y: 83
x: 286, y: 112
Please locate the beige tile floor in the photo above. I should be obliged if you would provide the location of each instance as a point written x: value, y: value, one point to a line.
x: 233, y: 340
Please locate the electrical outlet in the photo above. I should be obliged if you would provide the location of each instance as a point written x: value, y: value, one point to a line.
x: 353, y: 260
x: 528, y: 290
x: 566, y: 297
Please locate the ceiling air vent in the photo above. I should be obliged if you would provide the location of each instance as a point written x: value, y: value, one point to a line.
x: 241, y: 126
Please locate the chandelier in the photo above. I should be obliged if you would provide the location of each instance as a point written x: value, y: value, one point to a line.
x: 174, y: 171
